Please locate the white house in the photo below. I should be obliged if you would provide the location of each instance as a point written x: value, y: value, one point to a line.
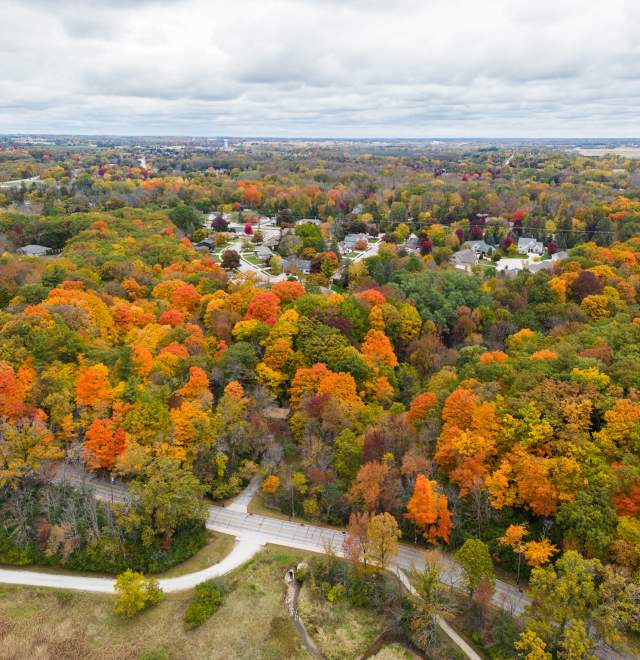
x: 479, y: 247
x: 33, y: 250
x: 530, y: 246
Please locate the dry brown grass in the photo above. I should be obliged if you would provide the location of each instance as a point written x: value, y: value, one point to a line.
x: 43, y: 624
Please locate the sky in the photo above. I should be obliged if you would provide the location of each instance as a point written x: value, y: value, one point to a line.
x: 321, y: 68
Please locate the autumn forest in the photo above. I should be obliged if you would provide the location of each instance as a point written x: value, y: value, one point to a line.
x: 360, y: 327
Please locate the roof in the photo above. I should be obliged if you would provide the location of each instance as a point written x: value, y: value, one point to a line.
x: 537, y: 266
x: 293, y: 263
x: 354, y: 238
x: 263, y: 251
x: 34, y: 250
x: 525, y: 242
x: 465, y: 257
x: 274, y: 412
x: 479, y: 246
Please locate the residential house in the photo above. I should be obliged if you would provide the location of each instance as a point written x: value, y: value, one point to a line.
x: 530, y: 246
x: 350, y: 241
x: 271, y: 240
x: 205, y: 244
x: 481, y: 248
x: 33, y: 250
x: 412, y: 242
x: 263, y: 253
x: 309, y: 221
x: 294, y: 264
x: 464, y: 259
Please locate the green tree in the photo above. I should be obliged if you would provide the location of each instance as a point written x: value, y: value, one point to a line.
x: 348, y: 455
x: 565, y: 594
x: 163, y: 496
x: 186, y: 218
x: 476, y: 563
x: 427, y: 605
x: 207, y: 599
x: 589, y: 522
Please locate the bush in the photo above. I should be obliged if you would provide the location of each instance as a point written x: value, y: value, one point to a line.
x: 155, y: 654
x: 208, y: 597
x: 135, y: 593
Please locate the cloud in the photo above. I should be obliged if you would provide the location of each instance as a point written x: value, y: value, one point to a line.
x: 411, y: 68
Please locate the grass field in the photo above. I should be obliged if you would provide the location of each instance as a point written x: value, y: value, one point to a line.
x: 218, y: 548
x: 252, y: 623
x: 343, y: 632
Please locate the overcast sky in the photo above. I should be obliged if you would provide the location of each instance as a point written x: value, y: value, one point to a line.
x: 321, y: 68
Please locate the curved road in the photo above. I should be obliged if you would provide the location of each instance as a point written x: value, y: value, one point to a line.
x: 252, y: 533
x: 258, y: 530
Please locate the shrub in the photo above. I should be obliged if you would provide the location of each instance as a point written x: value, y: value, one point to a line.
x: 135, y: 593
x: 207, y: 599
x: 155, y: 654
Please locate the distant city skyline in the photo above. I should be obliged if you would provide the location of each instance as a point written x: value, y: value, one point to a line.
x: 321, y: 68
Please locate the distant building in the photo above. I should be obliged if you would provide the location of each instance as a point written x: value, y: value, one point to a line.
x: 264, y: 253
x: 479, y: 247
x: 530, y: 246
x: 293, y: 264
x: 350, y: 240
x: 33, y: 250
x: 510, y: 266
x: 271, y: 240
x: 412, y: 242
x: 464, y: 259
x: 205, y: 244
x: 309, y: 221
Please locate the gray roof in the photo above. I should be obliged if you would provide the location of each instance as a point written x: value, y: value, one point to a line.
x: 263, y: 252
x: 479, y: 246
x: 33, y: 250
x: 352, y: 239
x: 526, y: 243
x: 465, y: 257
x: 412, y: 241
x: 537, y: 266
x: 293, y: 263
x: 206, y: 243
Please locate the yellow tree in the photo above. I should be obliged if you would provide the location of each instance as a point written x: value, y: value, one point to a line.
x: 26, y: 446
x: 514, y: 538
x: 383, y: 535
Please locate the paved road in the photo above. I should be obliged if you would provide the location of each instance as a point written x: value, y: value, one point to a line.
x: 264, y: 529
x: 236, y: 521
x: 252, y: 533
x: 18, y: 182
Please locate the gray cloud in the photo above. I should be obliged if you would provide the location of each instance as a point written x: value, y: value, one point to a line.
x: 321, y: 67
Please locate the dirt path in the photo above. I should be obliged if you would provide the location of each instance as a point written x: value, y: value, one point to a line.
x: 291, y: 603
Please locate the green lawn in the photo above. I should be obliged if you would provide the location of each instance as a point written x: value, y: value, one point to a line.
x: 218, y: 548
x: 253, y: 260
